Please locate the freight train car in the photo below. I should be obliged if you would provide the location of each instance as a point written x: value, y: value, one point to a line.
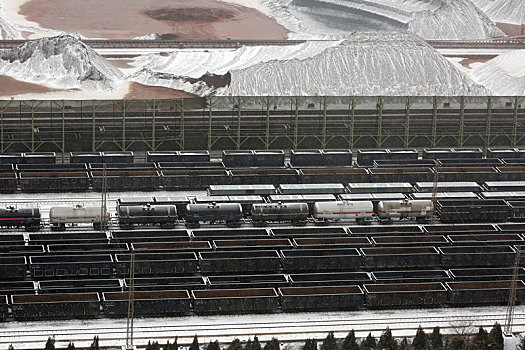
x: 131, y: 215
x: 230, y: 213
x: 262, y: 213
x: 29, y: 218
x: 360, y: 211
x: 420, y: 210
x: 60, y: 216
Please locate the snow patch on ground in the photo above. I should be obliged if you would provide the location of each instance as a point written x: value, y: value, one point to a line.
x: 7, y: 30
x: 431, y: 19
x: 62, y: 62
x: 507, y: 11
x: 369, y: 63
x: 503, y: 75
x: 153, y: 36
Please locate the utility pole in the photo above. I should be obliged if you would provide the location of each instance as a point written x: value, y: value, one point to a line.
x: 434, y: 191
x: 131, y: 302
x: 509, y: 319
x: 104, y: 205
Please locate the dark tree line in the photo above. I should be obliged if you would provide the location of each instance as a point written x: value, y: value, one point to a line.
x: 482, y: 340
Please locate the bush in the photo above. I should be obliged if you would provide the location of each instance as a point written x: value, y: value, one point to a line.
x: 272, y: 345
x: 213, y: 345
x: 329, y: 343
x: 195, y: 344
x: 350, y: 343
x: 310, y: 344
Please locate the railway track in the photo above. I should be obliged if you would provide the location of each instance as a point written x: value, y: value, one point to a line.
x: 180, y: 44
x: 286, y: 327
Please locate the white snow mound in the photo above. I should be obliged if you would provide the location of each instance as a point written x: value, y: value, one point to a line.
x: 7, y: 30
x: 62, y: 62
x: 507, y: 11
x: 430, y: 19
x: 503, y: 75
x: 368, y: 63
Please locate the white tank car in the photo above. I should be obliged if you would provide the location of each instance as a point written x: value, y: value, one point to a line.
x: 405, y: 209
x: 60, y: 216
x: 359, y: 211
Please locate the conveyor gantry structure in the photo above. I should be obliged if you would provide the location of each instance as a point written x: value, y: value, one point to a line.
x: 280, y: 122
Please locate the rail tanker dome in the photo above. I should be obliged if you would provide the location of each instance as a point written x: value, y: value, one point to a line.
x: 60, y: 216
x: 130, y: 215
x: 231, y: 213
x: 29, y: 218
x: 404, y: 209
x: 344, y: 210
x: 295, y: 212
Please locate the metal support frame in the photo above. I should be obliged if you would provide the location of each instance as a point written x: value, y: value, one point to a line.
x: 32, y: 105
x: 296, y: 124
x: 488, y: 122
x: 181, y: 142
x: 3, y: 106
x: 407, y: 122
x: 210, y: 122
x: 63, y: 124
x: 514, y: 140
x: 379, y: 141
x: 461, y: 140
x: 352, y: 122
x: 323, y: 139
x: 435, y: 102
x: 239, y: 114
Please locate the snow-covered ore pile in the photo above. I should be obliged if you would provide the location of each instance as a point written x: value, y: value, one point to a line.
x: 7, y: 30
x: 507, y: 11
x: 369, y: 63
x: 430, y: 19
x: 503, y: 75
x: 187, y: 70
x: 202, y: 86
x: 61, y: 62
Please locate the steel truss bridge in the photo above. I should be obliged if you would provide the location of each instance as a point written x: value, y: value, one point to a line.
x: 236, y: 122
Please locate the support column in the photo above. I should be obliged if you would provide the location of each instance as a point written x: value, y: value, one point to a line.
x: 2, y: 107
x: 407, y: 122
x: 267, y: 132
x: 296, y: 127
x: 63, y: 131
x: 123, y: 145
x: 93, y: 122
x: 488, y: 135
x: 182, y: 124
x: 461, y: 121
x: 323, y: 141
x: 210, y: 123
x: 515, y: 123
x: 352, y: 122
x: 433, y: 141
x: 239, y: 113
x: 33, y: 107
x: 379, y: 142
x: 153, y: 126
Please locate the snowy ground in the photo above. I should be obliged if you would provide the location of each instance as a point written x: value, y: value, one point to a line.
x: 287, y: 327
x: 392, y: 65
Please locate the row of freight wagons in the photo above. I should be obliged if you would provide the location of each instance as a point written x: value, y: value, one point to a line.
x: 259, y: 300
x: 269, y: 158
x: 290, y: 181
x: 329, y: 259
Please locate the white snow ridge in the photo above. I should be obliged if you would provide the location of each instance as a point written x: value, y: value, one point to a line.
x: 430, y: 19
x: 7, y: 30
x: 368, y: 63
x: 503, y: 75
x: 507, y: 11
x: 61, y: 62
